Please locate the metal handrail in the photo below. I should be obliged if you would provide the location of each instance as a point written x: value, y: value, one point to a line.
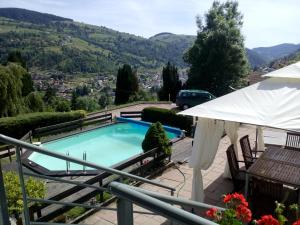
x: 127, y: 195
x: 176, y: 200
x: 9, y: 140
x: 123, y: 191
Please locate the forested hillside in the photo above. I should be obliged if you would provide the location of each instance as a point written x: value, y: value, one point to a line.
x: 74, y: 47
x: 49, y: 42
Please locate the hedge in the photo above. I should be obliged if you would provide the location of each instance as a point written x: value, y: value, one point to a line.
x: 19, y: 125
x: 167, y: 117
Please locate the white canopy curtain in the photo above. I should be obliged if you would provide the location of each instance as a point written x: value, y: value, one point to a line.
x: 207, y: 137
x: 273, y: 103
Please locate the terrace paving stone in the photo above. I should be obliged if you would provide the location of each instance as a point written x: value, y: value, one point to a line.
x: 215, y: 185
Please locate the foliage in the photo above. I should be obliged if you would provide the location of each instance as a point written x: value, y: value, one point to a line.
x: 50, y: 95
x: 75, y: 212
x: 86, y: 103
x: 27, y: 84
x: 141, y: 95
x: 61, y: 105
x: 104, y: 101
x: 34, y: 102
x: 73, y: 100
x: 18, y: 126
x: 34, y: 189
x: 167, y: 117
x: 30, y: 16
x: 156, y: 137
x: 171, y: 83
x: 16, y: 57
x: 72, y: 47
x: 217, y: 59
x: 106, y: 196
x: 82, y: 90
x: 11, y: 89
x: 238, y: 213
x: 127, y: 84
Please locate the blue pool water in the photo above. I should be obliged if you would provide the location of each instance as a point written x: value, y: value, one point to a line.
x: 104, y: 146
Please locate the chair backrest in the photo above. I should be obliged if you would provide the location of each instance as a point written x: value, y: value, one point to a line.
x: 268, y: 188
x: 246, y: 150
x: 232, y: 162
x: 292, y: 141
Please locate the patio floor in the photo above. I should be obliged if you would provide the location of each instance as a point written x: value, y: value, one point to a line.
x: 180, y: 177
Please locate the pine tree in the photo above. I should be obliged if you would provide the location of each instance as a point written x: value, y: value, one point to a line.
x: 171, y: 83
x: 127, y: 84
x: 218, y: 59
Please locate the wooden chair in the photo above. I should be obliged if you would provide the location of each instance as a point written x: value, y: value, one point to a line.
x: 264, y: 195
x: 292, y: 141
x: 237, y: 174
x: 249, y: 155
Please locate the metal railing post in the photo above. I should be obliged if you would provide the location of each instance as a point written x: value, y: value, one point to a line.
x: 23, y: 188
x: 124, y: 212
x: 4, y: 218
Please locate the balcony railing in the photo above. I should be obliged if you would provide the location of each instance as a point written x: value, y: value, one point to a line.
x: 127, y: 195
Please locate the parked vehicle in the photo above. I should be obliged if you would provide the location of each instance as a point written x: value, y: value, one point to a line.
x: 189, y: 98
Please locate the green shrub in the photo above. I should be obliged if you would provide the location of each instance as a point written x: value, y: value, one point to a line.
x: 167, y: 117
x: 18, y: 126
x: 34, y: 189
x: 75, y: 212
x: 156, y: 137
x: 106, y: 196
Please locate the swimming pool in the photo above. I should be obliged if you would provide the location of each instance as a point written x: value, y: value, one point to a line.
x: 105, y: 146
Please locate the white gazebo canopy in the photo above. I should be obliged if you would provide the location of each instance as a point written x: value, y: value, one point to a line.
x: 274, y: 102
x: 291, y: 71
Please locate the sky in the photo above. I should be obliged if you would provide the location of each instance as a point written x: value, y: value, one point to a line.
x: 266, y: 22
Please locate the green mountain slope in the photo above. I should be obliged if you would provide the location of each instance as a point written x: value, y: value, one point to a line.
x: 285, y: 61
x: 276, y: 52
x: 255, y: 60
x: 73, y: 47
x: 49, y: 42
x: 30, y: 16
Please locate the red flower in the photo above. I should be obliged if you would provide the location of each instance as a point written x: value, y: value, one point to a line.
x: 296, y: 222
x: 236, y: 199
x: 211, y: 213
x: 267, y: 220
x: 244, y: 214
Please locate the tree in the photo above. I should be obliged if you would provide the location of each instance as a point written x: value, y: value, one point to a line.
x: 34, y: 102
x: 27, y: 84
x: 127, y: 84
x: 217, y: 59
x: 86, y: 103
x: 61, y: 105
x: 104, y: 100
x: 73, y: 100
x: 171, y: 83
x: 50, y: 95
x: 156, y: 137
x: 11, y: 89
x: 16, y: 57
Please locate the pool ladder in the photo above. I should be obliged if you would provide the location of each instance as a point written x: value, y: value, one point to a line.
x: 84, y: 159
x: 68, y: 163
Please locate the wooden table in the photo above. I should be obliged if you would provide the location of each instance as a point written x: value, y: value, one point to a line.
x: 276, y: 164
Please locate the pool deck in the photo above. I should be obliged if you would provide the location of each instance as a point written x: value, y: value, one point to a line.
x: 215, y: 184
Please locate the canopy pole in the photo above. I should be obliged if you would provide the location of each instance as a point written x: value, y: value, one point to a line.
x: 256, y: 140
